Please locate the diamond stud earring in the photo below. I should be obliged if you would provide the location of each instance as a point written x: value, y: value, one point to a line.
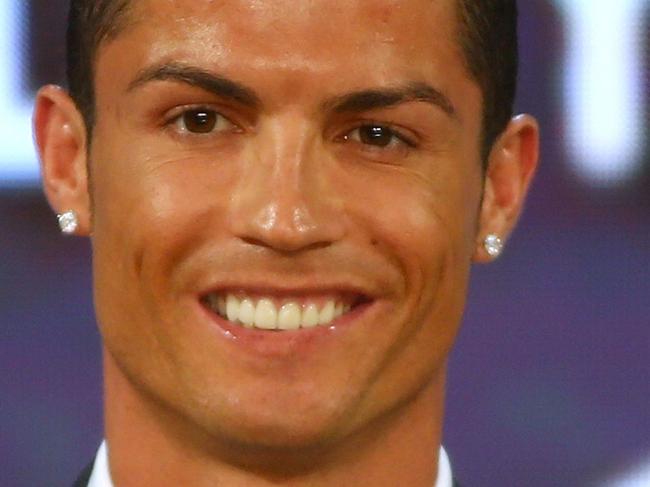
x: 493, y: 245
x: 68, y: 222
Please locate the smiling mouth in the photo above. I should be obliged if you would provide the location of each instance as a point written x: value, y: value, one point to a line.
x: 280, y: 314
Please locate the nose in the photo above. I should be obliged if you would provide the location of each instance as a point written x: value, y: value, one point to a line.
x: 285, y: 199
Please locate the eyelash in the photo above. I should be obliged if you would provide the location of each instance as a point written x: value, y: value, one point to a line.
x: 178, y: 117
x: 388, y: 130
x: 391, y: 131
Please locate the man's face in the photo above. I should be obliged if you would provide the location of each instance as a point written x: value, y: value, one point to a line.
x: 297, y: 153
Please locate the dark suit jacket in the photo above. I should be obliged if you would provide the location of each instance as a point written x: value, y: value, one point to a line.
x: 83, y: 479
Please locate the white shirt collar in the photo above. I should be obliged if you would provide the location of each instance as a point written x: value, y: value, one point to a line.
x: 445, y: 478
x: 101, y: 476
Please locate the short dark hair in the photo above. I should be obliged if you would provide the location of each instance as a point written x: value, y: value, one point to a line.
x: 488, y: 38
x: 90, y: 23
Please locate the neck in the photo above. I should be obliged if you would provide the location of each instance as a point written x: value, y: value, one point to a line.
x: 150, y: 445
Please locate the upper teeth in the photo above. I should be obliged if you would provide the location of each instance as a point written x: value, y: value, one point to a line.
x: 266, y: 315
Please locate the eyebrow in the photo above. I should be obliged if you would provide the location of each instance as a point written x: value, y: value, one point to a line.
x: 194, y: 76
x: 359, y: 101
x: 372, y: 99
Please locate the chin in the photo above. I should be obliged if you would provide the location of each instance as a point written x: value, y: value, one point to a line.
x: 265, y: 439
x: 274, y: 426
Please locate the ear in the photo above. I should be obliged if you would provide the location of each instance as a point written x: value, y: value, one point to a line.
x: 60, y: 135
x: 511, y: 166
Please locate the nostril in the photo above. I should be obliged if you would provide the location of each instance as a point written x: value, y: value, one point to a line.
x: 286, y: 226
x: 285, y: 248
x: 255, y: 242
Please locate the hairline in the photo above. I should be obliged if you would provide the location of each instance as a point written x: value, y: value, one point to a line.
x: 117, y: 22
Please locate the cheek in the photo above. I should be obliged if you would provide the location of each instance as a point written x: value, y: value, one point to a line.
x: 149, y: 212
x: 147, y: 191
x: 423, y: 223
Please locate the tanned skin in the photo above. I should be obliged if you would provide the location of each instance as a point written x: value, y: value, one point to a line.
x: 285, y: 193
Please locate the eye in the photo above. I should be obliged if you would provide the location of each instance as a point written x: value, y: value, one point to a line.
x: 378, y: 135
x: 201, y: 121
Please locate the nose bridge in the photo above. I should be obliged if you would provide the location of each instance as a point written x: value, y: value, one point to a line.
x: 285, y: 199
x: 286, y: 150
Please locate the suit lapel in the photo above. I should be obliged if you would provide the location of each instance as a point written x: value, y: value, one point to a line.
x: 84, y: 477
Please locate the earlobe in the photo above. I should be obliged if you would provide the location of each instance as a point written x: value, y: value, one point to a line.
x: 60, y: 136
x: 511, y: 166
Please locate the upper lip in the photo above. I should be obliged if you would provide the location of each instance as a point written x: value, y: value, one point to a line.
x: 345, y: 290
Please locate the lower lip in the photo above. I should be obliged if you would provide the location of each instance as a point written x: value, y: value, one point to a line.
x: 269, y: 342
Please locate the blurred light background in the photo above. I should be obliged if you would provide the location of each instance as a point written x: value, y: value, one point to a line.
x: 550, y: 380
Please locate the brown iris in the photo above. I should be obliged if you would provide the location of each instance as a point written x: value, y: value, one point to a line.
x: 200, y: 121
x: 376, y: 135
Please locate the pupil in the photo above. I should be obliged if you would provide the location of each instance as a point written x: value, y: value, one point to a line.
x: 200, y: 122
x: 375, y: 135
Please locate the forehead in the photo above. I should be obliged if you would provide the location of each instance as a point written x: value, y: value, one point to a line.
x: 291, y: 29
x: 277, y: 13
x: 296, y: 51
